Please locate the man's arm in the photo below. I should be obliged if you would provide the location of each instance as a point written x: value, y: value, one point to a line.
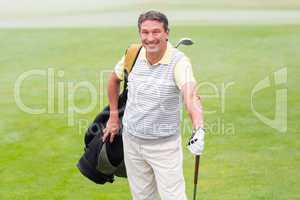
x: 194, y: 108
x: 113, y: 123
x: 193, y: 104
x: 113, y: 94
x: 187, y: 84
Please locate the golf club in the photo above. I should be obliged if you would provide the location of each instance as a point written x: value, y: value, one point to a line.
x: 197, y: 161
x: 188, y: 41
x: 184, y: 41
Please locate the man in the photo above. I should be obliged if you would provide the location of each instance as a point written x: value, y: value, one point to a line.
x: 151, y: 121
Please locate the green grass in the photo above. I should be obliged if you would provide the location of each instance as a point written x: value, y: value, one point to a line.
x: 39, y: 152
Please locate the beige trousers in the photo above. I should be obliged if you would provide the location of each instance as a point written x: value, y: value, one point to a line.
x: 154, y: 168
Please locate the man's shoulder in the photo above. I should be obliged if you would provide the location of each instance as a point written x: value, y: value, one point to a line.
x: 179, y: 55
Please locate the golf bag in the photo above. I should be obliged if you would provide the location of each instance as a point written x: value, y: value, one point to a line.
x: 102, y: 161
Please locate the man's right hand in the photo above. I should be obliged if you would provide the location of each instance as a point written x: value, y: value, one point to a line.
x: 112, y: 129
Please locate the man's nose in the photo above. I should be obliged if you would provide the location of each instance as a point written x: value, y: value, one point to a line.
x: 150, y: 37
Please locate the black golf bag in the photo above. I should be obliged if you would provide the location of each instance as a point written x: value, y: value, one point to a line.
x: 102, y: 161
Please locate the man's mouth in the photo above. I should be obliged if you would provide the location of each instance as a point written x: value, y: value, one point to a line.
x: 151, y: 45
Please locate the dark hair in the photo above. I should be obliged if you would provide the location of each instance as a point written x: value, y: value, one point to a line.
x: 153, y: 15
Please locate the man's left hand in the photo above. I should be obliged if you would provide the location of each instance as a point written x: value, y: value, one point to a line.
x: 196, y: 142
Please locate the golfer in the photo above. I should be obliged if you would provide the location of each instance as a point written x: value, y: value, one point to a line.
x: 161, y: 76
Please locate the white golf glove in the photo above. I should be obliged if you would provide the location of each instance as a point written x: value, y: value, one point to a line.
x: 196, y: 142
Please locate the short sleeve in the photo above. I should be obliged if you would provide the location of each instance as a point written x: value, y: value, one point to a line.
x: 183, y: 72
x: 119, y: 68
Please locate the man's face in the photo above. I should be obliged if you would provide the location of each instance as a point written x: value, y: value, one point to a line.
x: 153, y: 36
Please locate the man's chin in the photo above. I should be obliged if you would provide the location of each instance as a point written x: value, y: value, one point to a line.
x: 152, y: 49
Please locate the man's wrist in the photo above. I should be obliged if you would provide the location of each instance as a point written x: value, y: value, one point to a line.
x: 197, y: 129
x: 198, y: 124
x: 114, y: 114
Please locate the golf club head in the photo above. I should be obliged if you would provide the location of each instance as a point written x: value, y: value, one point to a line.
x: 184, y: 41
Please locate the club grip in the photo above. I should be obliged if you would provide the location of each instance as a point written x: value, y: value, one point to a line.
x: 197, y: 161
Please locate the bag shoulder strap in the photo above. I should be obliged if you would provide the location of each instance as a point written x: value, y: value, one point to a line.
x: 131, y: 55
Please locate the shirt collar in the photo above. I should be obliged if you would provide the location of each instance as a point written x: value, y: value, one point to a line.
x: 166, y: 59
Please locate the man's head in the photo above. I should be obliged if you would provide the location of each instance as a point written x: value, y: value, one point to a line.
x: 154, y: 31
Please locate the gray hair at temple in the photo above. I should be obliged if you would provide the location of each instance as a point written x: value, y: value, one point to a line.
x: 154, y: 15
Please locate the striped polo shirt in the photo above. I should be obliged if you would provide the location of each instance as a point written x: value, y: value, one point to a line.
x: 183, y: 72
x: 154, y: 100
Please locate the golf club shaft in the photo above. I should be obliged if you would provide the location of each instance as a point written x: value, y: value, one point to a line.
x: 195, y: 192
x: 197, y: 161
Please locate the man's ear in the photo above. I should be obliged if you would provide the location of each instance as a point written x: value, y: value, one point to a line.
x: 167, y: 35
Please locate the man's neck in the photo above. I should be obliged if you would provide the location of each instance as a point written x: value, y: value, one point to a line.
x: 155, y: 57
